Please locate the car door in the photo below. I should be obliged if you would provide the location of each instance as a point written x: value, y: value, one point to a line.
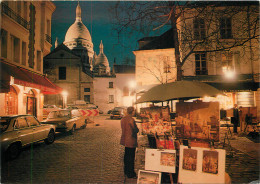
x: 39, y: 132
x: 23, y: 130
x: 77, y: 118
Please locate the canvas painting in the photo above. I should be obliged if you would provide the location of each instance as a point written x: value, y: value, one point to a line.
x: 198, y: 120
x: 150, y: 177
x: 189, y: 159
x: 201, y: 165
x: 167, y: 159
x: 210, y: 162
x: 160, y: 160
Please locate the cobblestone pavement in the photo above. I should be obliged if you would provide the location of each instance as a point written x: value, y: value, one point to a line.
x: 93, y: 155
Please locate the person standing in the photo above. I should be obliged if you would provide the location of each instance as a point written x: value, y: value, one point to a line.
x: 129, y: 140
x: 235, y: 118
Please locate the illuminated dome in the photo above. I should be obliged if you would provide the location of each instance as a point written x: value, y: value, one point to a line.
x: 78, y: 35
x: 101, y: 60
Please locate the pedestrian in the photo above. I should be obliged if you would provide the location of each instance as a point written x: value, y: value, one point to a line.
x: 129, y: 140
x: 235, y: 118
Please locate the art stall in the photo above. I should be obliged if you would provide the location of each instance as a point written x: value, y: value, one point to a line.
x: 183, y: 148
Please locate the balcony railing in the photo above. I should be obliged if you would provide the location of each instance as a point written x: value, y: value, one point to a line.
x: 48, y: 38
x: 10, y: 13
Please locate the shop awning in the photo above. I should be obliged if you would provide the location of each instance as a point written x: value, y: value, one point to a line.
x: 236, y: 86
x: 26, y: 78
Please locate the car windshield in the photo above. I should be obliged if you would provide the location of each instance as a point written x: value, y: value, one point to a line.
x: 59, y: 114
x: 118, y: 109
x: 4, y: 123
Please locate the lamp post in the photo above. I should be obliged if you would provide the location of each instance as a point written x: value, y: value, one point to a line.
x: 64, y: 99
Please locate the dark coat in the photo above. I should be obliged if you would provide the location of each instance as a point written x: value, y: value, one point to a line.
x: 129, y: 132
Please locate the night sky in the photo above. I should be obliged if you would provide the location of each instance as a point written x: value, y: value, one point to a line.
x: 97, y: 18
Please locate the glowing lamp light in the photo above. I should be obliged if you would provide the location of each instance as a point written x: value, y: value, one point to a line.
x: 64, y: 93
x: 132, y: 84
x: 229, y: 73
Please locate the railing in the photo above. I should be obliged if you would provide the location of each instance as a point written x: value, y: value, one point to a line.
x: 48, y: 38
x: 10, y: 13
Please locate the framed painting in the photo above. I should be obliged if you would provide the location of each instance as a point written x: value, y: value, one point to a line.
x: 160, y: 160
x: 150, y: 177
x: 210, y: 162
x: 190, y: 159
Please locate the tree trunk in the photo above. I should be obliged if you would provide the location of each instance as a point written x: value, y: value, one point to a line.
x: 177, y: 48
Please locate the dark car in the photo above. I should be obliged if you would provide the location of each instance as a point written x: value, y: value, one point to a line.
x: 20, y: 130
x: 117, y: 112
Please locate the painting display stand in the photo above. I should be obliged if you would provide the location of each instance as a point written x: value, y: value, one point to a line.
x: 187, y: 149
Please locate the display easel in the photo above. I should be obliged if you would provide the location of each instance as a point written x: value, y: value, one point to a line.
x: 227, y: 140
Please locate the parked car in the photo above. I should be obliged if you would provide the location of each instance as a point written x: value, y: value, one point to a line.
x: 117, y: 112
x: 47, y: 109
x: 84, y: 106
x: 20, y: 130
x: 66, y: 120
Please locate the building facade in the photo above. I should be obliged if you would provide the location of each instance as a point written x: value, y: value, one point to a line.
x: 225, y: 50
x: 66, y: 70
x: 84, y: 75
x: 155, y: 61
x: 25, y: 39
x: 219, y: 46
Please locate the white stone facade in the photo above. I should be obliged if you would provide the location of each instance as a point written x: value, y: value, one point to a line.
x: 15, y: 48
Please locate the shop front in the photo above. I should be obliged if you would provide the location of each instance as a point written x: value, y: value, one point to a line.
x: 22, y: 90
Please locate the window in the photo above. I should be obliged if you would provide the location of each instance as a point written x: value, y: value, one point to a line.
x: 39, y: 61
x: 227, y: 61
x: 111, y: 85
x: 15, y: 49
x: 199, y: 29
x: 87, y: 98
x: 201, y: 64
x: 24, y: 53
x: 166, y: 65
x: 48, y: 27
x: 86, y: 89
x: 111, y: 98
x: 225, y: 28
x: 3, y: 43
x: 75, y: 113
x: 62, y: 73
x: 21, y: 123
x: 125, y: 91
x: 32, y: 121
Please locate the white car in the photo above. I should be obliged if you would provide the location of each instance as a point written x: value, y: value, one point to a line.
x: 66, y: 120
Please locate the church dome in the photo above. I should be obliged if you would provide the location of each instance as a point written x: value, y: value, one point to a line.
x: 78, y: 34
x: 77, y: 31
x: 101, y: 60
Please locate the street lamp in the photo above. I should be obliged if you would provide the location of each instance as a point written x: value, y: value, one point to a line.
x: 64, y: 99
x: 229, y: 73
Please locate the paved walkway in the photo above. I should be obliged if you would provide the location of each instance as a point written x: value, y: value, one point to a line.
x: 242, y: 157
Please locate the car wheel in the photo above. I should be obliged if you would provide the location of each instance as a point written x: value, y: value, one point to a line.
x: 51, y: 138
x: 72, y: 129
x: 13, y: 151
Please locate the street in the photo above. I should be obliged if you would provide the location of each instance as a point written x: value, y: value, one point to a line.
x: 91, y: 155
x: 94, y: 155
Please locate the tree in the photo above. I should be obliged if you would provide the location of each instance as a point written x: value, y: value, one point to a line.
x: 197, y: 26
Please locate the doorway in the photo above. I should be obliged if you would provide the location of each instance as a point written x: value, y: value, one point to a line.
x: 31, y: 104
